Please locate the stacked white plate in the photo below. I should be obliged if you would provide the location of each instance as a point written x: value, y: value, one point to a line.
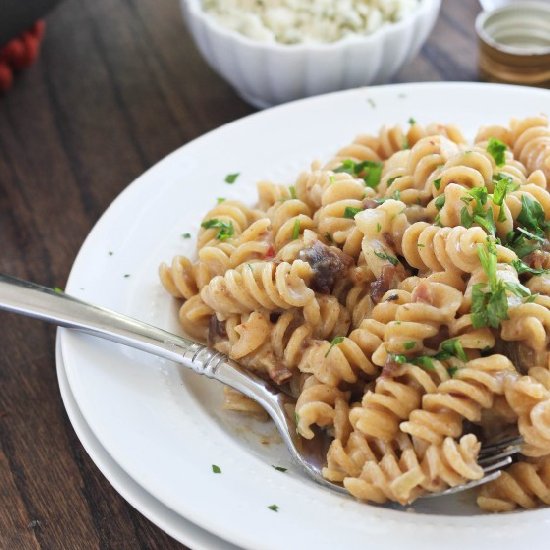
x: 155, y: 430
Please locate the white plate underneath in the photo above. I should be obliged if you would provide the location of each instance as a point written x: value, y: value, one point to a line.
x: 163, y: 426
x: 175, y: 525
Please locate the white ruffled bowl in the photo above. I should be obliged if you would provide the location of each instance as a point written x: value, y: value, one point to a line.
x: 266, y: 74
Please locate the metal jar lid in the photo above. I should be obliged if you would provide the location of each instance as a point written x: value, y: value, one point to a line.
x: 515, y: 43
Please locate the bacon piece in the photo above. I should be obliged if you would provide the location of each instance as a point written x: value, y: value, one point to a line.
x: 369, y: 204
x: 423, y: 293
x: 539, y: 259
x: 279, y: 374
x: 216, y: 330
x: 329, y: 264
x: 390, y: 367
x: 388, y: 279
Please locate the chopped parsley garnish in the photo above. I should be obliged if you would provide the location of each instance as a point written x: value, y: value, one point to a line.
x: 531, y: 216
x: 412, y: 121
x: 230, y: 178
x: 452, y: 371
x: 424, y: 361
x: 296, y: 229
x: 532, y: 227
x: 280, y: 468
x: 521, y: 243
x: 378, y: 228
x: 497, y: 150
x: 522, y: 267
x: 369, y: 171
x: 503, y: 185
x: 477, y: 199
x: 489, y: 301
x: 398, y: 358
x: 274, y: 507
x: 385, y: 256
x: 420, y: 245
x: 292, y: 191
x: 437, y: 183
x: 440, y: 202
x: 390, y: 181
x: 454, y: 347
x: 186, y: 235
x: 447, y: 349
x: 226, y: 229
x: 126, y: 275
x: 111, y: 252
x: 58, y: 290
x: 371, y: 102
x: 334, y: 342
x: 405, y: 144
x: 220, y: 199
x: 216, y: 469
x: 350, y: 212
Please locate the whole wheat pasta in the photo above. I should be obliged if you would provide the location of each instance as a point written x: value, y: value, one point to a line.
x: 401, y: 291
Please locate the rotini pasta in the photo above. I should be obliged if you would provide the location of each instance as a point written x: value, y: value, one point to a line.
x: 401, y: 292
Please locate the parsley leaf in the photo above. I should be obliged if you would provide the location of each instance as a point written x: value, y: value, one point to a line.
x: 216, y: 469
x: 334, y: 342
x: 488, y: 308
x: 409, y: 345
x: 230, y: 178
x: 503, y: 185
x: 519, y: 242
x: 280, y: 468
x: 274, y: 507
x: 440, y: 202
x: 522, y: 267
x: 497, y: 149
x: 490, y: 302
x: 350, y: 212
x: 292, y: 191
x: 186, y: 235
x: 226, y: 229
x: 424, y: 361
x: 454, y: 347
x: 437, y: 183
x: 531, y: 216
x: 412, y: 121
x: 369, y: 171
x: 484, y: 218
x: 384, y: 256
x: 296, y: 229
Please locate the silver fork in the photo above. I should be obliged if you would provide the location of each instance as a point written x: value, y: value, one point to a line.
x: 61, y: 309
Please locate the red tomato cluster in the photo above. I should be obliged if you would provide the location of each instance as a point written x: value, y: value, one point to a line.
x: 19, y: 53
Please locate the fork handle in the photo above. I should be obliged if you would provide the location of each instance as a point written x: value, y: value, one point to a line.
x: 56, y: 307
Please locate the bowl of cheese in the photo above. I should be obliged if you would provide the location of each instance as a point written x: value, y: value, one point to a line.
x: 274, y: 51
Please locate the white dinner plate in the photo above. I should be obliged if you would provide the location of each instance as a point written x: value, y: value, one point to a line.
x: 175, y: 525
x: 164, y: 426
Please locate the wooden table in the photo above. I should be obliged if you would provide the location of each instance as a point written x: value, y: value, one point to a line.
x: 117, y: 87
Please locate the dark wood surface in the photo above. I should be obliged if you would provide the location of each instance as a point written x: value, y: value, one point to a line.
x: 118, y: 85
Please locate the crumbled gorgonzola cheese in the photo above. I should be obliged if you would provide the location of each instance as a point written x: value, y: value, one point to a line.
x: 308, y: 21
